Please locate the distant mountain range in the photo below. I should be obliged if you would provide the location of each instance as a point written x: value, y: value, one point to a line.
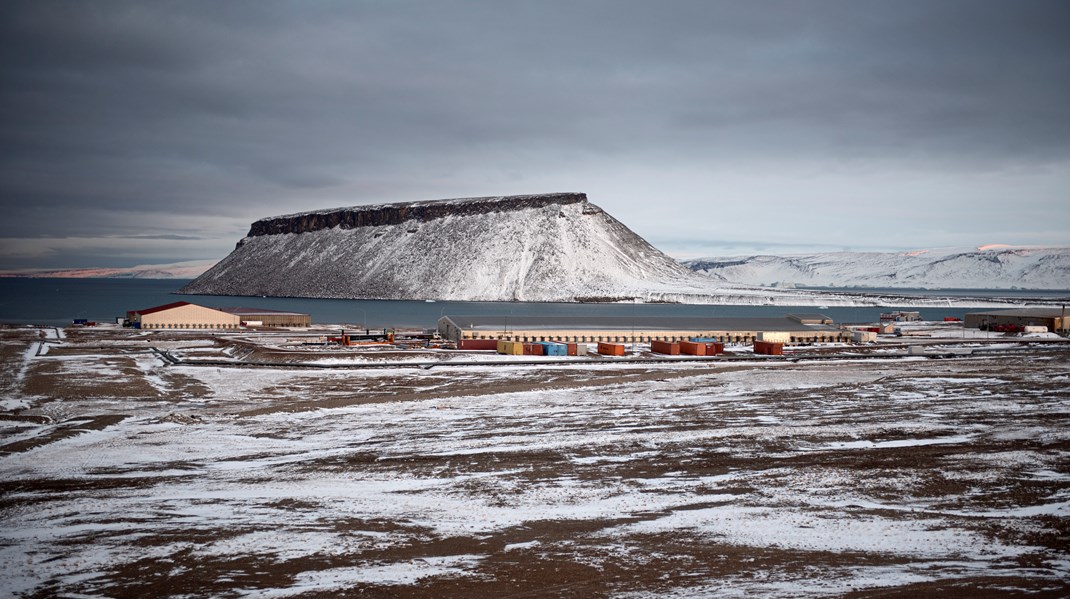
x: 985, y: 267
x: 174, y: 270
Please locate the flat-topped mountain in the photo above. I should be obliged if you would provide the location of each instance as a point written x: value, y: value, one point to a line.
x: 546, y: 247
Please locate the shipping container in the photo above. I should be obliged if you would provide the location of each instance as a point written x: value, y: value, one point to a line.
x: 570, y: 349
x: 512, y: 348
x: 952, y: 319
x: 769, y: 348
x: 550, y: 348
x: 1029, y: 328
x: 864, y: 336
x: 478, y: 344
x: 581, y: 349
x: 714, y: 348
x: 532, y: 349
x: 610, y: 349
x: 664, y: 347
x: 692, y: 348
x: 774, y: 337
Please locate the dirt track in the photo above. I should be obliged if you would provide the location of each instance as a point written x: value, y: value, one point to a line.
x: 123, y: 477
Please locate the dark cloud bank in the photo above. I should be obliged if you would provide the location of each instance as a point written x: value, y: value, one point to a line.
x: 136, y: 132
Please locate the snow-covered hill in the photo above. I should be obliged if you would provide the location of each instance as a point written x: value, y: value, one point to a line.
x: 551, y: 247
x: 986, y: 267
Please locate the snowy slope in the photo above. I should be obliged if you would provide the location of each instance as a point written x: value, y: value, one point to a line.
x: 524, y: 248
x: 987, y: 267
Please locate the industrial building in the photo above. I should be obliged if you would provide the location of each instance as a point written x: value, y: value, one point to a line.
x: 269, y: 318
x: 182, y: 315
x: 1052, y: 318
x: 639, y: 329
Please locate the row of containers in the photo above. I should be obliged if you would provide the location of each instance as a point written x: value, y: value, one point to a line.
x: 697, y: 346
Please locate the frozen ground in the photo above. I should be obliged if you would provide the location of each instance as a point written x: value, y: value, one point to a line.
x: 123, y: 477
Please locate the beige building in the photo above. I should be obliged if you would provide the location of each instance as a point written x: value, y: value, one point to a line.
x: 270, y: 318
x: 182, y: 315
x: 625, y: 329
x: 1052, y: 318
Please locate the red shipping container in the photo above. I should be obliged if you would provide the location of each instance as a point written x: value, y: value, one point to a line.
x: 478, y: 344
x: 571, y: 349
x: 610, y: 349
x: 532, y: 349
x: 952, y: 319
x: 769, y: 349
x: 692, y: 348
x: 714, y: 348
x: 664, y: 347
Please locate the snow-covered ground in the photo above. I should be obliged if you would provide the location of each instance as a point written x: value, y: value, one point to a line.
x: 986, y: 267
x: 678, y: 480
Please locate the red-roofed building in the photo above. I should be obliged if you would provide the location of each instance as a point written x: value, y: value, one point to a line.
x: 182, y: 315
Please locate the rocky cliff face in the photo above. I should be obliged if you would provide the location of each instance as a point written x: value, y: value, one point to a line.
x: 549, y: 247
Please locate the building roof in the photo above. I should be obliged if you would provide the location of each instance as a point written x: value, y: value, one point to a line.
x: 627, y: 323
x: 161, y: 308
x: 258, y: 312
x: 1024, y: 312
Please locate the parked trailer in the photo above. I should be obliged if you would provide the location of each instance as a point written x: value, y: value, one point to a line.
x: 768, y: 348
x: 610, y: 349
x: 665, y: 347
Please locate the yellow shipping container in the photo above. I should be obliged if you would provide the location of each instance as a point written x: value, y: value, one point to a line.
x: 511, y: 347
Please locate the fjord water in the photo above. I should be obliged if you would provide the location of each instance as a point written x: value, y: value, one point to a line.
x: 59, y: 301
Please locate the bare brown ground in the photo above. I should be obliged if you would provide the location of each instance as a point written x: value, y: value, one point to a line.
x: 573, y: 557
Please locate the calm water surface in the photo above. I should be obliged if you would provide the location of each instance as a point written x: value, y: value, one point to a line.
x: 59, y: 301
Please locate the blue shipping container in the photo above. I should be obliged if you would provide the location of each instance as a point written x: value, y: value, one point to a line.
x: 703, y: 340
x: 549, y: 348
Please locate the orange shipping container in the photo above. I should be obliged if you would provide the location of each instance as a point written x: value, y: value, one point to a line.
x: 714, y: 348
x: 769, y: 348
x: 664, y: 347
x: 491, y: 344
x: 692, y: 348
x: 610, y: 349
x: 532, y: 349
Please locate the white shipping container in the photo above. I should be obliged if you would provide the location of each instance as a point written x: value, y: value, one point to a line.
x: 864, y: 336
x: 253, y: 323
x: 1034, y: 329
x: 774, y: 337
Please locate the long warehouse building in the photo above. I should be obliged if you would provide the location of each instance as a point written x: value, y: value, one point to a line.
x: 803, y: 328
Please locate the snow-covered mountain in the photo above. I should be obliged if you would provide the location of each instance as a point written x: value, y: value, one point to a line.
x: 549, y: 247
x: 985, y: 267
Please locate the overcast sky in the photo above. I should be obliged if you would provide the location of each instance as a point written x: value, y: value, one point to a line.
x: 151, y: 132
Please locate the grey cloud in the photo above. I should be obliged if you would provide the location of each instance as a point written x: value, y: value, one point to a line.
x: 121, y: 113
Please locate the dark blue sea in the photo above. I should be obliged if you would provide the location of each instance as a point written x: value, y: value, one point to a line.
x: 59, y: 301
